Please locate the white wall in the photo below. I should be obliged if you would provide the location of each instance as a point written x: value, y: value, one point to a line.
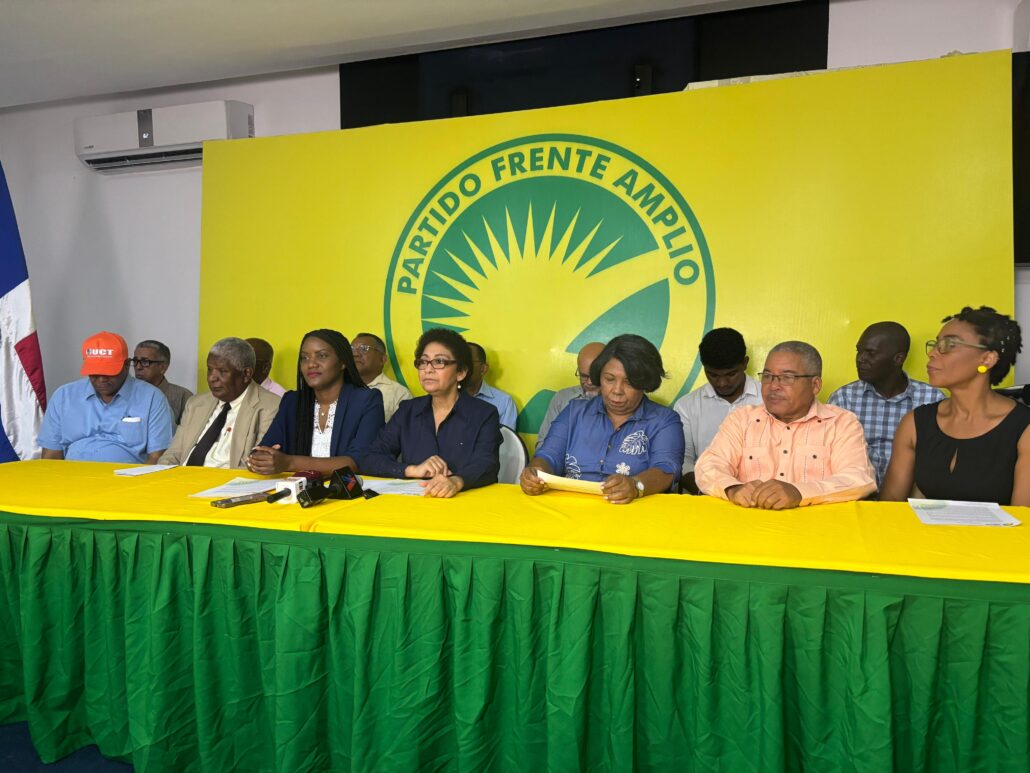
x: 122, y: 252
x: 881, y: 31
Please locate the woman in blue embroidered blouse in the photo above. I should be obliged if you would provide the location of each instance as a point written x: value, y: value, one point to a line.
x: 329, y: 420
x: 447, y: 437
x: 620, y: 437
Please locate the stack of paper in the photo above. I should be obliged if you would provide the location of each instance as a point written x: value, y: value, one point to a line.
x: 948, y: 512
x: 569, y: 484
x: 146, y: 469
x: 412, y: 488
x: 236, y: 487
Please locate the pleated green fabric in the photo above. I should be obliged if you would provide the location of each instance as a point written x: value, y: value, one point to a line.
x: 184, y: 647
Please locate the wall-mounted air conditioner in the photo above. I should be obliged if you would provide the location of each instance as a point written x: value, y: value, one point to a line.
x: 161, y: 135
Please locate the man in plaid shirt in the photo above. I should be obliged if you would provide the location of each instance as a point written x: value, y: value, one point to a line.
x: 884, y: 393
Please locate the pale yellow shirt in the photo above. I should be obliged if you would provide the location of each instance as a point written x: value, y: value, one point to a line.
x: 393, y: 393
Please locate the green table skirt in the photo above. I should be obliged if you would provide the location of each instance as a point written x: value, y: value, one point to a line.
x: 184, y: 647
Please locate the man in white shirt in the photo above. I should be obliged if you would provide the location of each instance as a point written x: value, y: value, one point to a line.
x: 219, y: 428
x: 724, y: 359
x: 369, y: 352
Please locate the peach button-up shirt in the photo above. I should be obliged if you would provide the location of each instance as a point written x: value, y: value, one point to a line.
x: 823, y: 454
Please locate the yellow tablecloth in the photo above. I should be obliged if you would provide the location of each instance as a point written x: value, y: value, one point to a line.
x: 871, y: 537
x: 92, y: 490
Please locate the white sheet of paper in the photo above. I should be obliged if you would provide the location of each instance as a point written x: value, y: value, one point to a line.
x: 409, y: 488
x: 949, y: 512
x: 132, y: 472
x: 236, y: 487
x: 570, y: 484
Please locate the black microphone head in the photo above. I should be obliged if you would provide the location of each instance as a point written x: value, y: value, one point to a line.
x: 344, y: 484
x: 312, y: 495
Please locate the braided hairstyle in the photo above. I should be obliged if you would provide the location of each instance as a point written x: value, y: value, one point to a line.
x: 998, y: 332
x: 304, y: 424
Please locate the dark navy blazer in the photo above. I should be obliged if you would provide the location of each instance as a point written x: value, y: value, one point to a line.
x: 469, y: 440
x: 358, y: 419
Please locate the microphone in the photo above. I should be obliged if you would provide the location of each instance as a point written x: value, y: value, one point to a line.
x: 342, y: 484
x: 293, y: 485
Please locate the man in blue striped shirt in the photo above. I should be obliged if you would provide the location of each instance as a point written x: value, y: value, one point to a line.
x: 884, y: 393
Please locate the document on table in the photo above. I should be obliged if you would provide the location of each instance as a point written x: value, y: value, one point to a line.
x: 236, y: 487
x: 146, y: 469
x: 570, y: 484
x: 948, y: 512
x: 411, y: 488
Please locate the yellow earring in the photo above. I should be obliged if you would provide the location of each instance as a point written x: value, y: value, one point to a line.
x: 981, y: 368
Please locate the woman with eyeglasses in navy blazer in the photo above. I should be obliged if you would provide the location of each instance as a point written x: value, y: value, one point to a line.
x: 446, y: 437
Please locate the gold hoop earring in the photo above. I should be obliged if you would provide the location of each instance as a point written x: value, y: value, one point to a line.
x: 981, y: 368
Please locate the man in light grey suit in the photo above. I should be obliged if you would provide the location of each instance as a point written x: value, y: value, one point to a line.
x: 219, y: 428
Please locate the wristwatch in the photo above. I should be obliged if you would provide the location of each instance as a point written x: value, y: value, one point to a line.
x: 639, y: 484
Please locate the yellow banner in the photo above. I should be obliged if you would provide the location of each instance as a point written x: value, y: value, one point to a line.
x: 802, y: 208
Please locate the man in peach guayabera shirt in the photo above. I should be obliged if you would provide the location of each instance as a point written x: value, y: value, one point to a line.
x: 792, y: 450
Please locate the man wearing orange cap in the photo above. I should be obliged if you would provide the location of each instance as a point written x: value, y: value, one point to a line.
x: 107, y: 416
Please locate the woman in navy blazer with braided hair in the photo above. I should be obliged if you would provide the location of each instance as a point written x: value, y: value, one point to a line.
x: 330, y: 420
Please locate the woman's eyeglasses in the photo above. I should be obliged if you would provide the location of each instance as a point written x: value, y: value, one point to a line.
x: 946, y: 344
x: 437, y: 363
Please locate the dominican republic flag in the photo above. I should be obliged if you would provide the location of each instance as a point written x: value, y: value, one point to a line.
x: 22, y: 391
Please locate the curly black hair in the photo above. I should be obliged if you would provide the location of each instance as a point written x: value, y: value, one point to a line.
x: 722, y: 348
x: 998, y: 332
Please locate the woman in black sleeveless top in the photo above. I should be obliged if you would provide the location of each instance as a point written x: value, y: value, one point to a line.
x: 973, y: 445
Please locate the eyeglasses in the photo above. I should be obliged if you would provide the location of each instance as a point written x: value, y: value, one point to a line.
x: 364, y: 349
x: 787, y: 379
x: 948, y: 343
x: 581, y: 376
x: 144, y: 362
x: 437, y: 363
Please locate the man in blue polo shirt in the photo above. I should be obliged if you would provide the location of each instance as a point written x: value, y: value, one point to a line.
x: 107, y: 416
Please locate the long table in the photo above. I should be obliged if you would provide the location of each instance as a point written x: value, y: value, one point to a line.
x: 501, y: 632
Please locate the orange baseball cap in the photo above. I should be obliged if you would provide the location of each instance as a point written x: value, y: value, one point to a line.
x: 104, y: 354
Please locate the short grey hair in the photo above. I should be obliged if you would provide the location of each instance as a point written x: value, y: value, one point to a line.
x: 808, y: 354
x: 157, y: 346
x: 237, y: 352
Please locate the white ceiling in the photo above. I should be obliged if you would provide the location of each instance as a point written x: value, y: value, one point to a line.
x: 67, y: 49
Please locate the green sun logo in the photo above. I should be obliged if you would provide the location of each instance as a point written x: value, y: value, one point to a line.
x: 540, y: 245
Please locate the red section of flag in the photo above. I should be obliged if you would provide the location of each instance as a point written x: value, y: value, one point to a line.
x: 31, y: 360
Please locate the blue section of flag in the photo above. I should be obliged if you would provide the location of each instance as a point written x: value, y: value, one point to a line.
x: 7, y: 452
x: 13, y: 270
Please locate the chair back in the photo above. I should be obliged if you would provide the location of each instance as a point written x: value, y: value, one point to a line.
x: 514, y: 456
